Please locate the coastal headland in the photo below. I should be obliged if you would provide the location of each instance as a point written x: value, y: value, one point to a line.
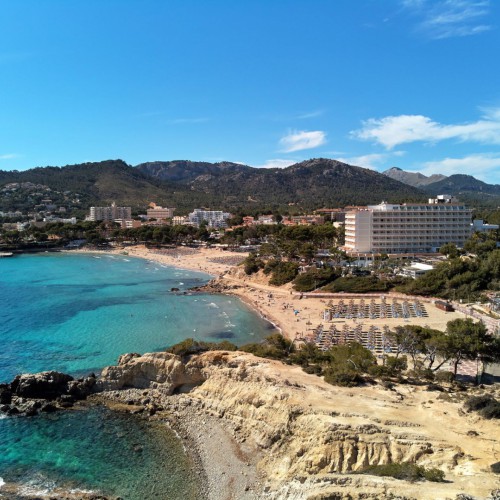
x: 258, y: 428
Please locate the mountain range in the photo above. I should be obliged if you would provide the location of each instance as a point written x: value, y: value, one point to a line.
x: 466, y: 187
x: 307, y: 185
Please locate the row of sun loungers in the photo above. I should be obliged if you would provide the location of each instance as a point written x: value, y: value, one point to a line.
x: 375, y: 310
x: 375, y: 339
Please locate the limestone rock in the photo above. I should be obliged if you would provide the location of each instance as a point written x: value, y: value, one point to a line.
x: 160, y: 370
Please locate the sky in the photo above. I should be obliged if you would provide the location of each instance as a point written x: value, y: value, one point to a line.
x: 375, y: 83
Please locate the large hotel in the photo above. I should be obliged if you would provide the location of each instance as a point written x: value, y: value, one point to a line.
x: 407, y: 228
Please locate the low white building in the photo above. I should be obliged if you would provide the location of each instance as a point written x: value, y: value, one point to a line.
x: 416, y: 269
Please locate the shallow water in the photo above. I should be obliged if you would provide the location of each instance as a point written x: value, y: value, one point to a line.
x: 97, y: 450
x: 77, y: 313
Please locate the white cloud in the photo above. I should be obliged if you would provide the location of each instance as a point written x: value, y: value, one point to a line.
x: 278, y: 163
x: 9, y: 156
x: 299, y: 140
x: 482, y: 166
x: 450, y: 18
x: 393, y: 130
x: 179, y: 121
x: 312, y: 114
x: 365, y: 161
x: 371, y: 161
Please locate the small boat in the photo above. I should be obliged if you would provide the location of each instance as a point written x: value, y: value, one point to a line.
x: 6, y: 254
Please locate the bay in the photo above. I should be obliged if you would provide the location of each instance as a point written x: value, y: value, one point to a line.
x: 77, y: 313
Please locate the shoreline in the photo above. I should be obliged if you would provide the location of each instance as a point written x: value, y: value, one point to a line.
x: 295, y: 315
x: 224, y: 469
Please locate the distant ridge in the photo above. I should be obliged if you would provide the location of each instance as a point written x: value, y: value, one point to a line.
x: 415, y: 179
x: 319, y: 182
x: 309, y: 184
x: 460, y: 183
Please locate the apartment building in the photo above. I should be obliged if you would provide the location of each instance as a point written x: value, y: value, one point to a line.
x: 156, y: 212
x: 109, y: 213
x: 407, y: 228
x: 214, y: 218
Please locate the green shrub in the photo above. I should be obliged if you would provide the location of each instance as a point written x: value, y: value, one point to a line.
x: 443, y: 376
x: 487, y: 406
x: 347, y: 378
x: 358, y: 284
x: 283, y: 272
x: 274, y: 346
x: 251, y: 264
x: 314, y: 278
x: 405, y: 471
x: 190, y: 346
x: 396, y: 365
x: 313, y: 369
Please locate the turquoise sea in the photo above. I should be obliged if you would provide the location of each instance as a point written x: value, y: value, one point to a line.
x: 77, y: 313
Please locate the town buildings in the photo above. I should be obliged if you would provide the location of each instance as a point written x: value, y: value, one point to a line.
x: 407, y: 228
x: 111, y: 213
x: 213, y: 218
x: 156, y: 212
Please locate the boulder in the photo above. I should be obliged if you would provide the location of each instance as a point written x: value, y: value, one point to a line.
x: 5, y: 394
x: 44, y: 385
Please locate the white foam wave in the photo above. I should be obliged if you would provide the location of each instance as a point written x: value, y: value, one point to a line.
x: 2, y: 482
x: 214, y: 305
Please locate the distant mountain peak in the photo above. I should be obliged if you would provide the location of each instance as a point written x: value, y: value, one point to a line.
x: 415, y: 179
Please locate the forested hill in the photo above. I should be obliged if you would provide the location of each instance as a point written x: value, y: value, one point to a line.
x: 309, y: 184
x: 186, y: 185
x: 95, y: 183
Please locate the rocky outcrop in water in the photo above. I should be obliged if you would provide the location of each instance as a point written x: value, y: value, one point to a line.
x: 29, y: 394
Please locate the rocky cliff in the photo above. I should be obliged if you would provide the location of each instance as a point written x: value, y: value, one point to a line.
x: 311, y: 437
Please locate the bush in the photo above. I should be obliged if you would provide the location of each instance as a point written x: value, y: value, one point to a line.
x: 348, y: 378
x: 190, y: 346
x: 487, y: 406
x: 283, y: 272
x: 251, y: 264
x: 313, y: 369
x: 274, y: 346
x: 396, y: 365
x: 358, y: 284
x: 422, y: 374
x: 315, y: 278
x: 406, y: 471
x: 442, y: 376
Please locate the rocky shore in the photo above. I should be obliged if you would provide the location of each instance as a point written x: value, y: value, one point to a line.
x: 46, y: 392
x: 256, y: 428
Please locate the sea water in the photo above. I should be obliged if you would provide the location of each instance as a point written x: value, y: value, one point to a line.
x: 77, y: 313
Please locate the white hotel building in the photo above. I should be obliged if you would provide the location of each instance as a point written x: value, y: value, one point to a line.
x: 407, y: 228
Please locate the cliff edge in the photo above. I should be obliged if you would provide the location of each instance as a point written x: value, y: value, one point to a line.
x: 308, y: 439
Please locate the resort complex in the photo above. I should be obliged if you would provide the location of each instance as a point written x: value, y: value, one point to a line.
x: 407, y: 228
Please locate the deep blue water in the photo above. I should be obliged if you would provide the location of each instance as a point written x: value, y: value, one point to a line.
x: 77, y: 313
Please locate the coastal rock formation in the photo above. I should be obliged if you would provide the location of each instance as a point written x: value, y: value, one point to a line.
x: 311, y: 436
x: 29, y: 393
x: 160, y: 370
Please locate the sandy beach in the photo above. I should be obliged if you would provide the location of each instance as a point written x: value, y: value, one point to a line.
x: 296, y: 315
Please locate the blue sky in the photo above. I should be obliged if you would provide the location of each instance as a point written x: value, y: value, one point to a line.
x: 376, y: 83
